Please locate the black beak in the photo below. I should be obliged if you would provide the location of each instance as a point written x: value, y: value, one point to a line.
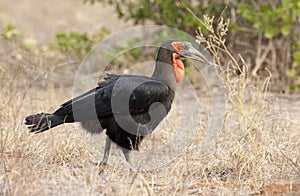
x: 192, y: 53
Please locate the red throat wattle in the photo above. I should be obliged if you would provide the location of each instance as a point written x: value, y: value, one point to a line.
x: 178, y: 67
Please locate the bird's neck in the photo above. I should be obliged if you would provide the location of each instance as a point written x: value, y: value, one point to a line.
x: 165, y: 73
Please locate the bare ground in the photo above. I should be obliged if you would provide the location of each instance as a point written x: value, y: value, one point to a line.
x: 43, y: 19
x: 257, y: 152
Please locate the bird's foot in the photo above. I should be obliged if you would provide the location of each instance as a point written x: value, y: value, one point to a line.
x: 102, y: 166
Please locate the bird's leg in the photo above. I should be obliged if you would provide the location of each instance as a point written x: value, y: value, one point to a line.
x: 106, y: 154
x: 143, y: 130
x: 126, y: 155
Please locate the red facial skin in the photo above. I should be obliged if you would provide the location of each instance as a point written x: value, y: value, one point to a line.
x: 177, y: 63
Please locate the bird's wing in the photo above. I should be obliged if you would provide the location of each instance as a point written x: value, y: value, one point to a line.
x: 139, y: 103
x: 147, y: 94
x: 91, y: 105
x: 137, y: 94
x: 122, y: 94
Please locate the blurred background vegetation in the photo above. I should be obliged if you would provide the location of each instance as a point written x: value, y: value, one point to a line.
x: 266, y: 34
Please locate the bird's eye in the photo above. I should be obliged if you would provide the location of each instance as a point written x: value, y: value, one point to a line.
x: 178, y: 46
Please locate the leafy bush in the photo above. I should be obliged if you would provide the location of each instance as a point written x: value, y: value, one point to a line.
x: 266, y: 33
x: 172, y: 13
x: 277, y: 20
x: 272, y: 19
x: 77, y: 43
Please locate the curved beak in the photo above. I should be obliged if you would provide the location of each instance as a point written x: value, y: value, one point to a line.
x: 192, y: 53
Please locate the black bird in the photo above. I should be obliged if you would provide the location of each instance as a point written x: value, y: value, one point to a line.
x: 129, y: 107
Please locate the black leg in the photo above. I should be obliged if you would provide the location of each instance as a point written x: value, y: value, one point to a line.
x: 106, y: 154
x: 126, y: 155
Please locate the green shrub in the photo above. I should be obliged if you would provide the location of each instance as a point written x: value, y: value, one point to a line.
x: 172, y: 13
x: 77, y: 43
x: 276, y: 20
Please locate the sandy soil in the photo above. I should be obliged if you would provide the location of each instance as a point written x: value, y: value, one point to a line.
x: 43, y: 19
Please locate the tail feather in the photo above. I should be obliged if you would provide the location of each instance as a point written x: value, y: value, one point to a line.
x: 43, y: 121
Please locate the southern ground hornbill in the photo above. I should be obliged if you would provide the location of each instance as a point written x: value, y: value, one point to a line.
x: 145, y: 93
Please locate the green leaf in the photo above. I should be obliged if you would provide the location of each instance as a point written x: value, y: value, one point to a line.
x: 291, y: 87
x: 298, y: 81
x: 291, y: 73
x: 272, y: 30
x: 296, y: 56
x: 9, y: 31
x: 286, y: 29
x: 188, y: 69
x: 265, y: 8
x: 30, y: 43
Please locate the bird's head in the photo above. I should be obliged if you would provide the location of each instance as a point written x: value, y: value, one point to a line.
x: 174, y: 52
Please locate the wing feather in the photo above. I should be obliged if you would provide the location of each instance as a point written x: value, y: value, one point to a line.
x: 97, y: 103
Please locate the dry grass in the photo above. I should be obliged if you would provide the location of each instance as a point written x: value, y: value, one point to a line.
x: 257, y: 153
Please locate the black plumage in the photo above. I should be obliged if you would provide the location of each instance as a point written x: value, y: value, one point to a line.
x: 146, y: 96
